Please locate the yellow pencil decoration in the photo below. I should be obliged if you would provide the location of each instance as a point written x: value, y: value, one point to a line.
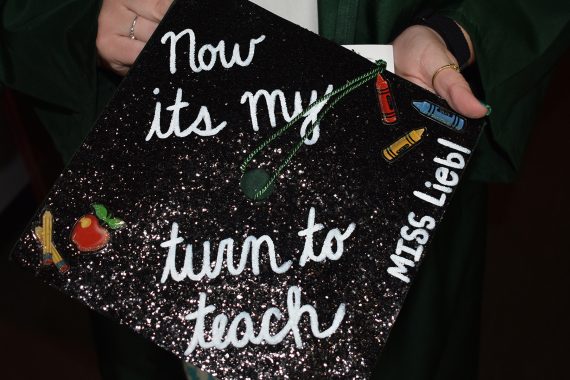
x: 47, y: 221
x: 50, y: 253
x: 403, y: 145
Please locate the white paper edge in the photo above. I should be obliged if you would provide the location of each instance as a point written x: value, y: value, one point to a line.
x: 374, y: 53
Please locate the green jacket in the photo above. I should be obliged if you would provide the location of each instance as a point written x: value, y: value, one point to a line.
x: 47, y: 52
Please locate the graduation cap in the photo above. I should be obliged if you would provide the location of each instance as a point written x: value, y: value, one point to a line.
x: 254, y: 199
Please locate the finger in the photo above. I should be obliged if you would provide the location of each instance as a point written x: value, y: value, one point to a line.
x: 119, y: 52
x: 450, y: 85
x: 120, y: 22
x: 115, y: 21
x: 143, y: 29
x: 417, y: 81
x: 153, y: 10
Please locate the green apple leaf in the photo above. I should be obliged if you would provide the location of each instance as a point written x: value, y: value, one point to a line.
x: 100, y: 211
x: 115, y: 223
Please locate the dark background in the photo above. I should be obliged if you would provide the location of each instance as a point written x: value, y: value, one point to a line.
x: 524, y: 331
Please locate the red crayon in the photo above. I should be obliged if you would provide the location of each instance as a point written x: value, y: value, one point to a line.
x: 387, y: 104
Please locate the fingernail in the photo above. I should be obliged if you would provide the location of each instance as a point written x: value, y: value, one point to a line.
x: 489, y: 109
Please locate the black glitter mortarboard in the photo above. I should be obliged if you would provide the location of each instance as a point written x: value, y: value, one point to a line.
x: 315, y: 267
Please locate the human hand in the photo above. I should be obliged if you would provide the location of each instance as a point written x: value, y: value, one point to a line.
x: 121, y: 37
x: 419, y: 52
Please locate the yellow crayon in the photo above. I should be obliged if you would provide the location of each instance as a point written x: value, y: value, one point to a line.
x: 403, y: 144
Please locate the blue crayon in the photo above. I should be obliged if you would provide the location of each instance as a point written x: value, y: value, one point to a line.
x: 440, y: 114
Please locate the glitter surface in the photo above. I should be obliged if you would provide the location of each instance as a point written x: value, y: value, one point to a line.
x: 194, y: 181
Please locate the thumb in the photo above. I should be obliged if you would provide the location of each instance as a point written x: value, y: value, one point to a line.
x: 450, y: 85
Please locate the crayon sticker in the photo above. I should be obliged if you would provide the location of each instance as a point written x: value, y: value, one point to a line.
x: 89, y: 235
x: 386, y: 101
x: 440, y: 115
x: 403, y: 145
x: 50, y: 254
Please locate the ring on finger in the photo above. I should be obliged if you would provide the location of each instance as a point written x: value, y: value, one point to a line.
x: 452, y: 66
x: 132, y: 30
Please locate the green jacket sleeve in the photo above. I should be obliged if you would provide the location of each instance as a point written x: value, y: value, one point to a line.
x: 516, y: 45
x: 47, y: 53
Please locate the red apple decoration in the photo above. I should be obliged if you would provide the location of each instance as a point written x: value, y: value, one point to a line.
x: 89, y: 235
